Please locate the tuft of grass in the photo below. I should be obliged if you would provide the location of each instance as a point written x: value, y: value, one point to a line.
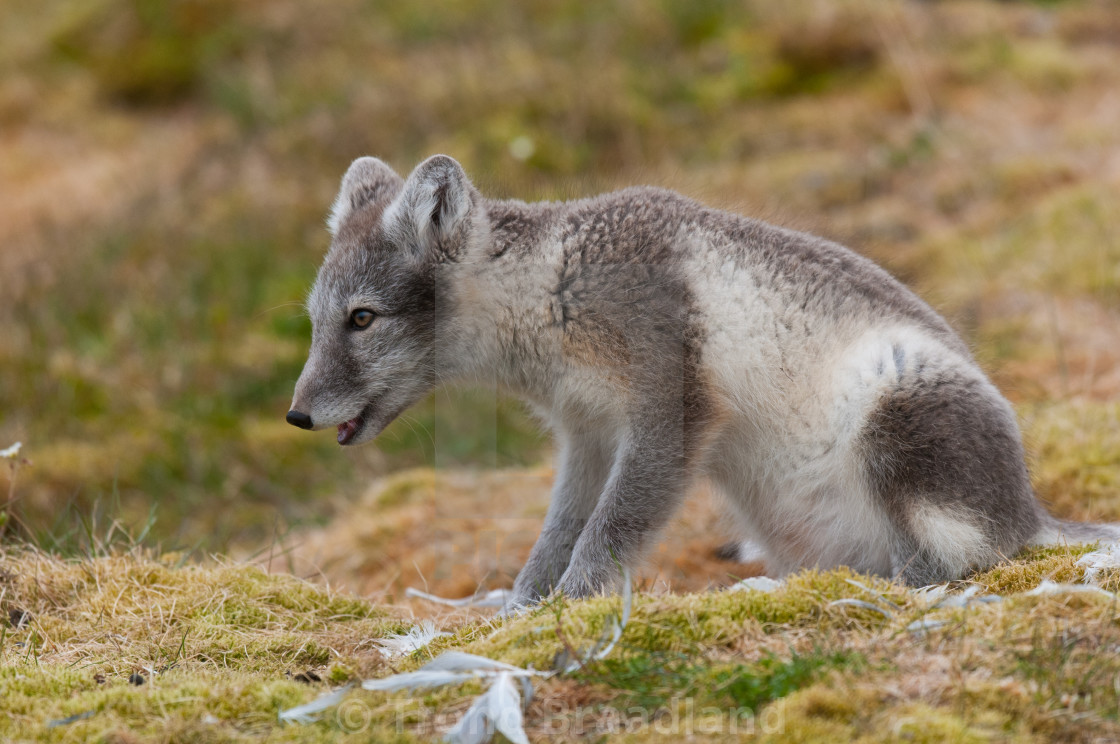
x: 1026, y: 571
x: 148, y: 646
x: 178, y: 614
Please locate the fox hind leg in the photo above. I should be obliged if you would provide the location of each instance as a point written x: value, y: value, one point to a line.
x: 944, y: 456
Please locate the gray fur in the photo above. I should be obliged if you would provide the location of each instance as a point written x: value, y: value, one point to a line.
x: 663, y: 341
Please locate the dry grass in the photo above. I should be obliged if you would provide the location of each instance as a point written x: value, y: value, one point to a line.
x: 151, y: 644
x: 219, y: 650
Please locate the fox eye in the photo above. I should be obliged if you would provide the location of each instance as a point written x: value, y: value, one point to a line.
x: 361, y: 318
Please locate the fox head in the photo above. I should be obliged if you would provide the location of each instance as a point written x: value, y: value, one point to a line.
x: 375, y: 307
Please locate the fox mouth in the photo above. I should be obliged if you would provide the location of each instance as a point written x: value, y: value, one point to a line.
x: 347, y: 430
x: 353, y: 429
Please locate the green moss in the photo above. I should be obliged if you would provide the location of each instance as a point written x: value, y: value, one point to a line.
x: 217, y: 647
x: 214, y: 646
x: 1027, y: 571
x: 652, y: 680
x: 677, y: 624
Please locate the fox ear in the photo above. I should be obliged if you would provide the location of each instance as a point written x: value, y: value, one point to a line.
x: 434, y: 204
x: 367, y: 180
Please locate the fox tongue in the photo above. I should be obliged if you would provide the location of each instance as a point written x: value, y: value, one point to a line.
x: 348, y: 429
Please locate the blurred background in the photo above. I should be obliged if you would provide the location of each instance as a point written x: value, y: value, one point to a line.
x: 166, y: 167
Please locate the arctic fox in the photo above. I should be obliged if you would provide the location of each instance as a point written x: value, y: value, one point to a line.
x: 663, y: 341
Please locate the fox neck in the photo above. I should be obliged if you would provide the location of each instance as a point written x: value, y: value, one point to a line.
x: 495, y: 317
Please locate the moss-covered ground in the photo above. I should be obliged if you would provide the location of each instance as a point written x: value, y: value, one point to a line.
x: 130, y: 648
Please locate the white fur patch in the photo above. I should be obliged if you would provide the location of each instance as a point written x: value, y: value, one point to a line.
x: 340, y: 210
x: 951, y: 535
x: 750, y: 551
x: 363, y: 172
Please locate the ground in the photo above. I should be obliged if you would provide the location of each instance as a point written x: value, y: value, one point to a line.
x: 131, y: 647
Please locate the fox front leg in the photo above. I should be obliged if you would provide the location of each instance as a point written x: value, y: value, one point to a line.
x: 583, y: 464
x: 647, y: 483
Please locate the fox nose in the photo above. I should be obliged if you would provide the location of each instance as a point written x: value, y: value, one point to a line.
x: 302, y: 420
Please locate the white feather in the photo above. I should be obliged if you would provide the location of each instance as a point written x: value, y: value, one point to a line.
x: 417, y: 637
x: 861, y: 603
x: 758, y: 584
x: 930, y: 595
x: 460, y: 661
x: 418, y: 680
x: 450, y: 668
x: 605, y: 644
x: 1097, y: 561
x: 306, y: 713
x: 498, y: 709
x: 921, y: 626
x: 493, y: 598
x: 1052, y: 587
x: 969, y: 596
x: 619, y: 626
x: 877, y: 596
